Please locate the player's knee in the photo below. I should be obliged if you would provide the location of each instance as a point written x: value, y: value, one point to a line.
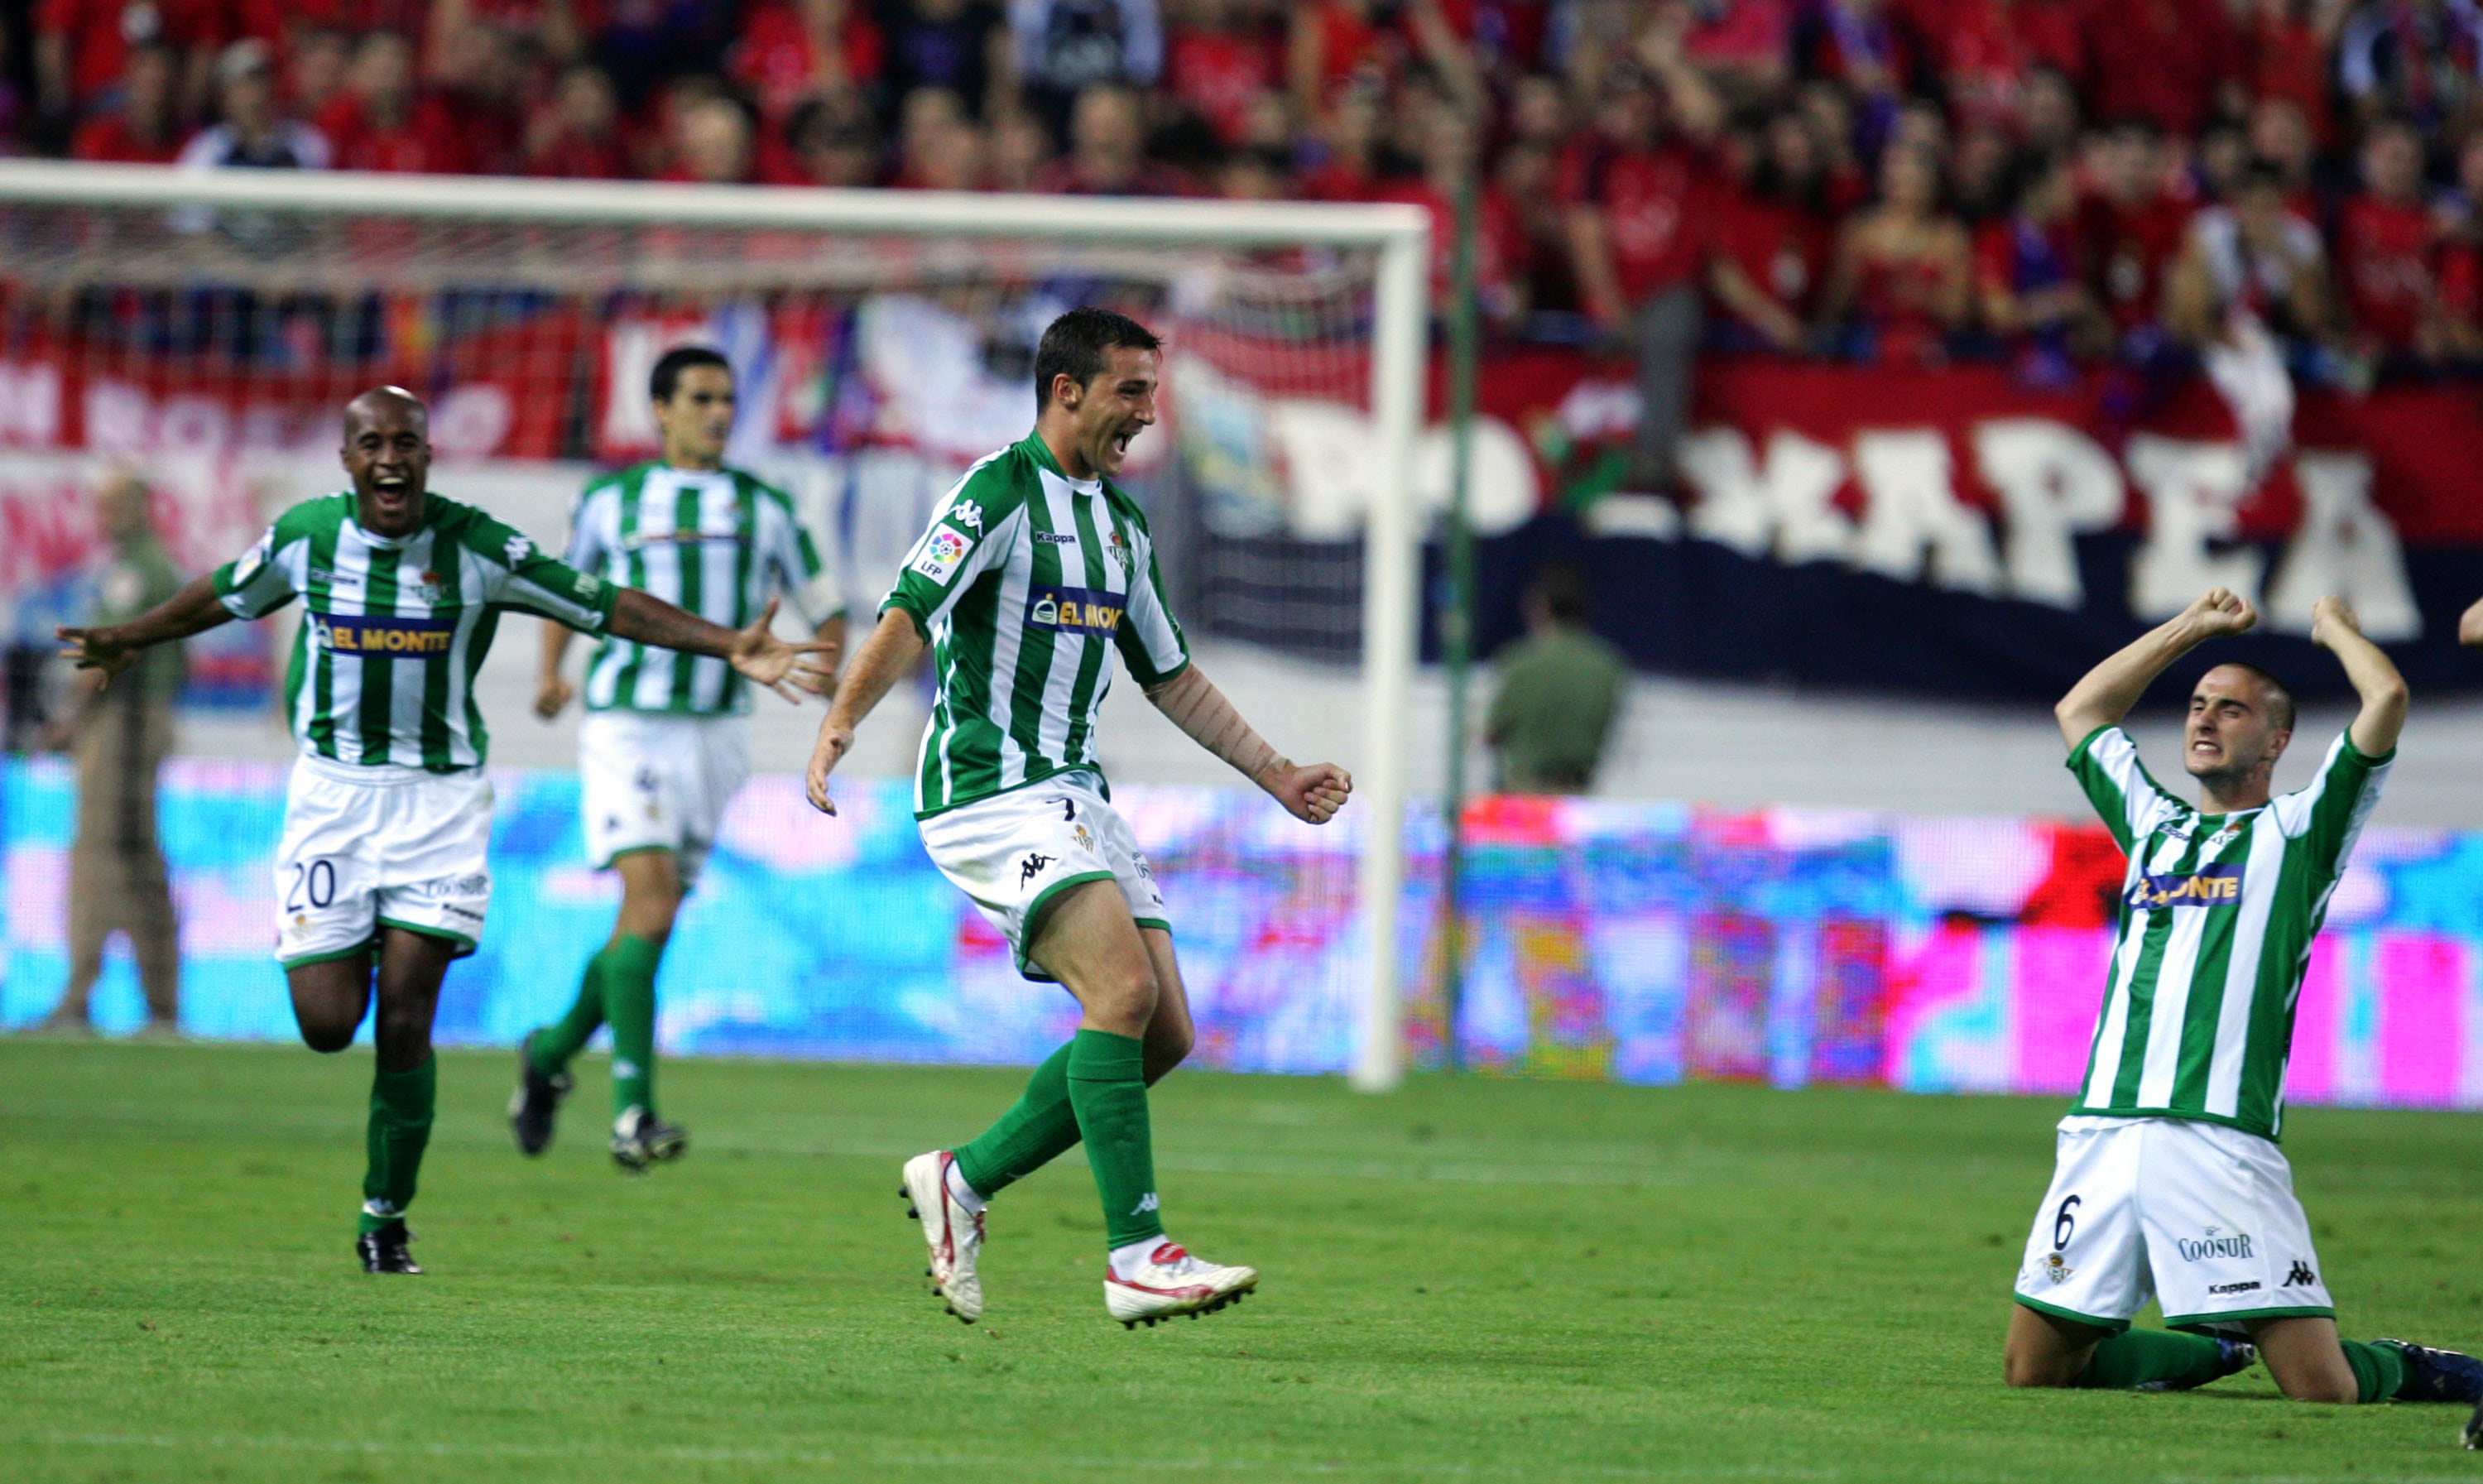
x: 2323, y: 1390
x: 327, y: 1037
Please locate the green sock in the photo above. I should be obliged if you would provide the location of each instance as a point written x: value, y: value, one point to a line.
x: 2379, y: 1368
x: 2134, y: 1358
x: 400, y: 1127
x: 555, y: 1044
x: 1038, y: 1128
x: 629, y: 1005
x: 1107, y: 1089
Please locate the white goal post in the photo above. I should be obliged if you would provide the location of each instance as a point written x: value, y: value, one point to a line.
x: 1396, y: 236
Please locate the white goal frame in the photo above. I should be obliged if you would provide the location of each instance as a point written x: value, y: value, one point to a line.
x: 1398, y: 234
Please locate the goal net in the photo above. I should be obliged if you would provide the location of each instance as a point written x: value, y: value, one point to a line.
x: 202, y: 330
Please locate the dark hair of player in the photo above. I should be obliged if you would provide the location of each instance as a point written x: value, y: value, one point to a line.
x: 1563, y: 592
x: 1076, y: 344
x: 667, y: 374
x: 2283, y: 710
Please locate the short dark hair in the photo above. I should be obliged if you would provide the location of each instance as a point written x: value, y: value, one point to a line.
x: 666, y: 377
x: 1563, y: 592
x: 1075, y: 346
x: 2284, y: 694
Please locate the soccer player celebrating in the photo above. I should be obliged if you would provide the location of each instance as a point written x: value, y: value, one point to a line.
x: 388, y: 815
x: 2169, y: 1178
x: 664, y: 744
x: 1035, y: 569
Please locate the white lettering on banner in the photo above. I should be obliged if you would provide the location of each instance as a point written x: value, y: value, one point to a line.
x: 30, y: 403
x: 1786, y: 506
x: 2054, y: 483
x: 1330, y: 460
x: 1912, y: 509
x: 473, y: 421
x: 2194, y: 494
x: 2346, y: 546
x: 120, y: 418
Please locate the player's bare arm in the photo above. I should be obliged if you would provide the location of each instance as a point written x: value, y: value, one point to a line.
x: 2469, y: 628
x: 789, y: 670
x: 890, y: 655
x: 554, y: 693
x: 192, y: 610
x: 1192, y: 701
x: 2373, y: 674
x: 2111, y: 688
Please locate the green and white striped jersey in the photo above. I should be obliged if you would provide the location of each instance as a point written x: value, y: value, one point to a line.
x: 2217, y: 914
x: 393, y: 628
x: 715, y: 542
x: 1023, y: 578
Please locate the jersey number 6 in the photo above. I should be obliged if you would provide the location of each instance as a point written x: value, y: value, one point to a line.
x: 2065, y: 1223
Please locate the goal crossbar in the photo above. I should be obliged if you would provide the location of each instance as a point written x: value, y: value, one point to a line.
x: 1398, y: 235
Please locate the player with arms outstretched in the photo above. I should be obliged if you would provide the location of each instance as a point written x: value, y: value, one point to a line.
x: 1035, y: 570
x: 665, y: 742
x: 2169, y: 1180
x: 381, y: 870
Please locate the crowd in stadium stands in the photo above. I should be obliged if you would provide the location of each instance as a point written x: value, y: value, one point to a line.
x: 2048, y: 183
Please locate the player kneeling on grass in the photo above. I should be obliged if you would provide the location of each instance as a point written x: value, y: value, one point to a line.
x: 2169, y: 1178
x: 665, y: 742
x: 1037, y: 568
x: 388, y: 815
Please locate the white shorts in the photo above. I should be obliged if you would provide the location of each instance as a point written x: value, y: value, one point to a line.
x: 386, y: 846
x: 1014, y: 852
x: 2199, y: 1215
x: 659, y: 782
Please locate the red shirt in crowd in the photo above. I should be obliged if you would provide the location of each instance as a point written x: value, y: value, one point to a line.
x: 428, y: 141
x: 2383, y: 258
x: 1986, y: 47
x: 2126, y: 250
x: 2461, y: 282
x: 1783, y: 248
x: 98, y: 34
x: 109, y: 137
x: 1649, y: 198
x: 1217, y: 73
x: 2283, y: 58
x: 1502, y: 249
x: 1352, y: 45
x: 776, y: 59
x: 2160, y: 59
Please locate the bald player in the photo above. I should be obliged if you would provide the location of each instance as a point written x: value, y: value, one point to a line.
x: 381, y: 877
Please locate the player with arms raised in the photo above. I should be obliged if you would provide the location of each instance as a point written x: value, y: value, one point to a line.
x: 665, y: 741
x: 1035, y: 567
x: 2168, y: 1180
x: 382, y: 869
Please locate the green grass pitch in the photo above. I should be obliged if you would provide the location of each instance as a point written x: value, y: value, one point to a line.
x: 1473, y: 1279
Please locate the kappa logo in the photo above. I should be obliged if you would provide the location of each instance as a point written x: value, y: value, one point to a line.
x: 2301, y: 1276
x: 1054, y: 539
x: 968, y: 515
x: 518, y: 549
x: 2210, y: 885
x: 2234, y: 1287
x: 1033, y: 866
x: 1146, y: 1204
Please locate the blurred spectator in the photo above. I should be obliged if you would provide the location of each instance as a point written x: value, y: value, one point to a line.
x: 1107, y: 152
x: 648, y: 43
x: 254, y: 134
x: 1066, y: 48
x: 2251, y: 277
x: 2386, y: 247
x: 1772, y: 241
x: 82, y: 48
x: 1021, y: 150
x: 145, y: 128
x: 835, y: 141
x: 928, y: 114
x: 793, y: 51
x: 1558, y: 692
x: 2048, y: 113
x: 1865, y: 58
x: 1982, y: 174
x: 1635, y: 189
x: 2278, y: 134
x: 380, y: 122
x: 1449, y: 162
x: 482, y: 70
x: 2029, y: 285
x: 2285, y: 50
x: 1901, y: 279
x: 714, y: 143
x: 1991, y: 50
x: 1744, y: 48
x: 2173, y: 62
x: 1335, y: 46
x: 121, y: 735
x: 2414, y: 59
x: 2129, y: 229
x: 315, y: 61
x: 1219, y: 61
x: 962, y: 46
x: 1349, y: 166
x: 577, y: 134
x: 2460, y: 219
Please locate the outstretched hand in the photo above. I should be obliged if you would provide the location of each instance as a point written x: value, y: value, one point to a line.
x: 2219, y: 613
x: 2328, y: 617
x: 95, y: 649
x: 779, y: 664
x: 1312, y: 794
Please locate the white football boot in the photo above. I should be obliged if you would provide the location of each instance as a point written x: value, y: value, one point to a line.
x: 953, y: 1233
x: 1172, y: 1283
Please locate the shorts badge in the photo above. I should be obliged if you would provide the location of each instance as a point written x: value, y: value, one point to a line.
x: 2057, y: 1268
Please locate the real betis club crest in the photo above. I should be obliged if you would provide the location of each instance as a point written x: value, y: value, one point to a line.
x: 427, y: 587
x: 1120, y: 551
